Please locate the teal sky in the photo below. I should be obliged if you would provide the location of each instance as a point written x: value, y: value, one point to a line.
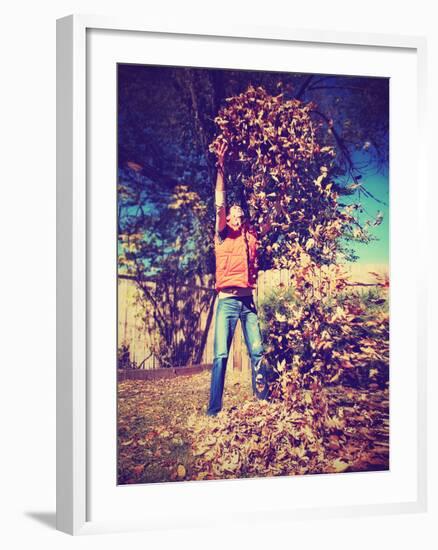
x: 375, y: 251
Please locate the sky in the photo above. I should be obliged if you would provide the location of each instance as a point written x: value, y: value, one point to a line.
x: 375, y: 252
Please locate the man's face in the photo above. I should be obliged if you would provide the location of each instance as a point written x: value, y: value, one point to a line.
x: 236, y: 216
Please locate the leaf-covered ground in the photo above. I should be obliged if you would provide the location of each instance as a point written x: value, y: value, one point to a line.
x: 164, y: 434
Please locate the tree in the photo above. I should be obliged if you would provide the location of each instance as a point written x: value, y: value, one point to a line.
x: 166, y: 257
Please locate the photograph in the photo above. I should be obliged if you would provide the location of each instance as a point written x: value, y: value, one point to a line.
x: 253, y: 273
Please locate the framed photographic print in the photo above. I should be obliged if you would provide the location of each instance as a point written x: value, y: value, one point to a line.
x: 241, y: 292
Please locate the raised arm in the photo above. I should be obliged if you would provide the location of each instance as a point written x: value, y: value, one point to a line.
x: 220, y: 192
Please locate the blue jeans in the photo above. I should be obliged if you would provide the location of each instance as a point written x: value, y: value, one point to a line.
x: 229, y: 311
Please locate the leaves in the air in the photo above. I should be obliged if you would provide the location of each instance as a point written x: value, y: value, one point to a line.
x: 315, y: 323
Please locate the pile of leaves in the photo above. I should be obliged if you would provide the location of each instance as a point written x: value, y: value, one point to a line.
x: 165, y: 435
x: 259, y: 438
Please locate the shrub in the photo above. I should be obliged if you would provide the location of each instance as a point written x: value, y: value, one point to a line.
x: 124, y: 358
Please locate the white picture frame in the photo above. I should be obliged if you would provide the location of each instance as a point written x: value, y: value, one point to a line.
x: 75, y: 215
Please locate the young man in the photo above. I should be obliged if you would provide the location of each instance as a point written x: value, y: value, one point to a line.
x: 236, y: 245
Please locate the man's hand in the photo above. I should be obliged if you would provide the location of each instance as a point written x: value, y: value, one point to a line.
x: 220, y: 153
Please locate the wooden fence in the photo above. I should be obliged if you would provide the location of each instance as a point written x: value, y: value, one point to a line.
x: 132, y: 330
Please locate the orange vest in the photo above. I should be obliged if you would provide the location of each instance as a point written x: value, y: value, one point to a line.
x: 236, y: 260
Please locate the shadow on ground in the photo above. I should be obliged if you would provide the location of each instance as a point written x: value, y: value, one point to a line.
x: 46, y: 518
